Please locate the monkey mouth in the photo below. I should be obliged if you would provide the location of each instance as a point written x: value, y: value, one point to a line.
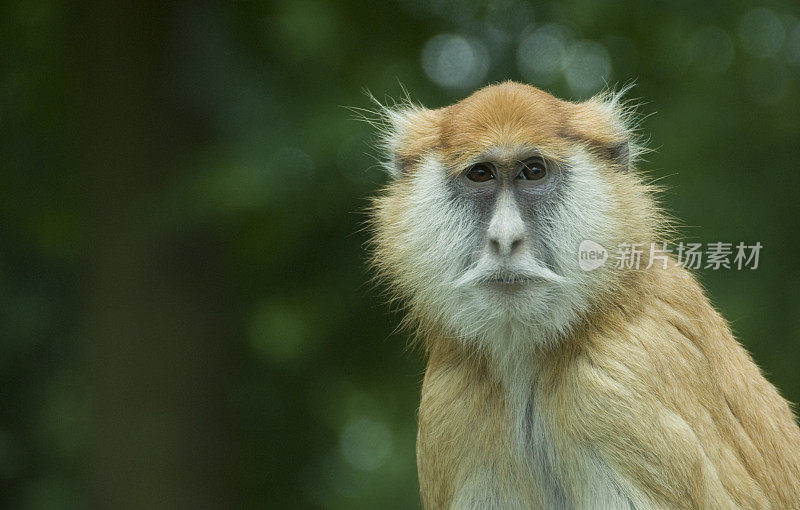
x: 508, y: 279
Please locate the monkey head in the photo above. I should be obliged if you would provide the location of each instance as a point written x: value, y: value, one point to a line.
x: 478, y: 230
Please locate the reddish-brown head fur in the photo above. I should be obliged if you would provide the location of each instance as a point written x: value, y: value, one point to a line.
x: 513, y: 115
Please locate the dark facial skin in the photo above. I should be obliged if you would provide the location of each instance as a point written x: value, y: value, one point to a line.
x: 532, y: 182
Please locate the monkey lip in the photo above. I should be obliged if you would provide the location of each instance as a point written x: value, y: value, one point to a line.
x: 508, y: 279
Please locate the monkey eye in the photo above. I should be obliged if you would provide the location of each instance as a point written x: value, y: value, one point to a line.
x: 480, y: 173
x: 532, y: 170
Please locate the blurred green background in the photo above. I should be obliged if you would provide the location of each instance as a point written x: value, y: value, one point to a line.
x: 186, y: 318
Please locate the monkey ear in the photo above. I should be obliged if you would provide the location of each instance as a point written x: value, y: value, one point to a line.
x: 407, y: 132
x: 606, y: 123
x: 620, y: 153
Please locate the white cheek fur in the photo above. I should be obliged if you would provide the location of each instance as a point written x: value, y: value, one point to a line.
x: 440, y: 234
x: 437, y: 236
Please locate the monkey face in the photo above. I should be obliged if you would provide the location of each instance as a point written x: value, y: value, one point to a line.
x: 509, y: 193
x: 485, y: 254
x: 490, y: 198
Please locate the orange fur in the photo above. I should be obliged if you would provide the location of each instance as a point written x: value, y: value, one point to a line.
x: 649, y: 384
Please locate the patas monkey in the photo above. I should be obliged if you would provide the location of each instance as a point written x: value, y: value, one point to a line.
x: 548, y: 386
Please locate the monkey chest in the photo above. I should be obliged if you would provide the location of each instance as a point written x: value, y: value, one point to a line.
x: 476, y: 451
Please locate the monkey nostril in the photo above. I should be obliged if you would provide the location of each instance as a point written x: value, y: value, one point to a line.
x: 516, y: 245
x: 506, y: 247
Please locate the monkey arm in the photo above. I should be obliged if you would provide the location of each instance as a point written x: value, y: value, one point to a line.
x: 672, y: 460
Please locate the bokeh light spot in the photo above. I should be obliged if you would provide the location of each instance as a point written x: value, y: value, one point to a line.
x: 365, y: 443
x: 761, y: 32
x: 541, y: 55
x: 588, y: 68
x: 712, y: 50
x: 453, y: 61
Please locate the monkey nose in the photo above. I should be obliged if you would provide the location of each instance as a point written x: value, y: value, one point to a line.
x: 506, y: 232
x: 506, y: 246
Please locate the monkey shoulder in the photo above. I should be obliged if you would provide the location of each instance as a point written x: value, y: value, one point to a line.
x: 650, y: 397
